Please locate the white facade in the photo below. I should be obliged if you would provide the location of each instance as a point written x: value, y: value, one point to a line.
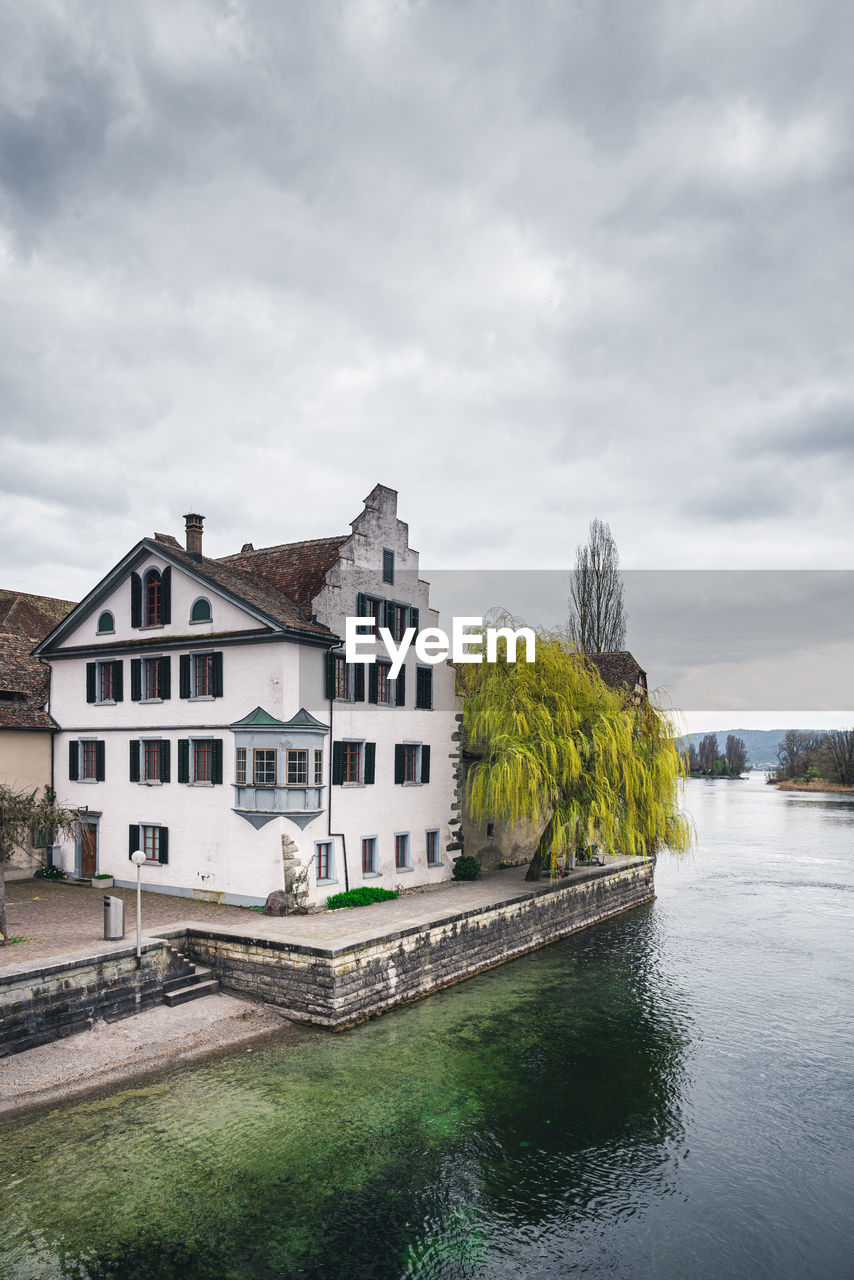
x: 210, y: 849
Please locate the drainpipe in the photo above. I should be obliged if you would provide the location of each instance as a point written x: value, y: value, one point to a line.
x: 335, y: 834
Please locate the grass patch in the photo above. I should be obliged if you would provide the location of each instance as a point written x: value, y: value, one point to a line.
x: 18, y: 937
x: 361, y: 897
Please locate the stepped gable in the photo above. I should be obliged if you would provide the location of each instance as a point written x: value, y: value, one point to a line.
x: 242, y: 582
x: 297, y: 568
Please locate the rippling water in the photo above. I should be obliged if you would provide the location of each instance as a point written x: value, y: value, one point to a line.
x: 666, y: 1095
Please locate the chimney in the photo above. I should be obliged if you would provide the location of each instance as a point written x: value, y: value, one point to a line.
x: 194, y: 524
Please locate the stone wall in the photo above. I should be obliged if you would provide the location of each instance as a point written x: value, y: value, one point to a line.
x: 44, y: 1002
x: 336, y: 987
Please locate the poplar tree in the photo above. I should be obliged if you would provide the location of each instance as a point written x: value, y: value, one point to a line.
x: 597, y: 616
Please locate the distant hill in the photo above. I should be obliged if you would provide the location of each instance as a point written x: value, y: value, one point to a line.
x: 761, y: 744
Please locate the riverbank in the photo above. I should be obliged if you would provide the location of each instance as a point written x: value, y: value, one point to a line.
x: 816, y: 784
x: 119, y: 1053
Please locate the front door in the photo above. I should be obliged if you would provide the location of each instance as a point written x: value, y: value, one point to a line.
x: 88, y: 850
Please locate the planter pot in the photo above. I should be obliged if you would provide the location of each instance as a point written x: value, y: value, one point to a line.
x: 105, y: 883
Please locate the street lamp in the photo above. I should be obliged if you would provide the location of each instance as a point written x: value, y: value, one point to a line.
x: 138, y: 858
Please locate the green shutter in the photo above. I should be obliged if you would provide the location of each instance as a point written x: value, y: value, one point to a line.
x: 216, y: 675
x: 183, y: 759
x: 73, y: 761
x: 118, y: 681
x: 165, y: 678
x: 216, y: 760
x: 133, y: 838
x: 135, y: 679
x: 425, y: 764
x: 165, y: 770
x: 358, y: 682
x: 399, y: 762
x: 373, y: 683
x: 330, y: 675
x: 166, y: 595
x: 413, y: 618
x: 184, y: 675
x: 337, y: 763
x: 370, y: 762
x: 91, y: 671
x: 424, y: 689
x: 361, y: 605
x: 164, y: 845
x: 100, y: 762
x: 135, y: 600
x: 134, y: 760
x: 400, y: 688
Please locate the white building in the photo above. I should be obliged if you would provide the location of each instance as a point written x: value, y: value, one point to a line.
x: 207, y: 716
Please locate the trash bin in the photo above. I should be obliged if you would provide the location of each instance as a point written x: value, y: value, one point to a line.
x: 114, y: 918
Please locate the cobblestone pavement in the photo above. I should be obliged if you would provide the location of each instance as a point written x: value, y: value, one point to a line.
x: 57, y: 918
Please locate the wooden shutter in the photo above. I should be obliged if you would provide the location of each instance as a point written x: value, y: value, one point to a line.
x: 400, y: 688
x: 135, y: 600
x: 337, y: 763
x: 413, y: 618
x: 361, y: 605
x: 118, y: 681
x: 133, y: 838
x: 184, y: 675
x: 91, y: 673
x: 358, y: 681
x: 166, y: 595
x: 216, y: 760
x: 216, y: 675
x: 100, y: 762
x: 387, y: 615
x: 135, y: 679
x: 330, y: 675
x: 166, y: 678
x: 165, y: 769
x: 73, y: 761
x: 370, y: 762
x: 373, y: 683
x: 399, y: 762
x: 164, y: 845
x: 424, y: 689
x: 425, y: 764
x: 134, y: 760
x: 183, y: 759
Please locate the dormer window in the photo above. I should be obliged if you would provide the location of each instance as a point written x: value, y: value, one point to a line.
x: 201, y: 610
x: 153, y: 599
x: 106, y: 623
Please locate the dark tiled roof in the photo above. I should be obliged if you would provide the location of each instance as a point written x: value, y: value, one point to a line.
x: 24, y: 685
x: 22, y: 614
x: 618, y: 669
x: 297, y: 568
x: 268, y: 596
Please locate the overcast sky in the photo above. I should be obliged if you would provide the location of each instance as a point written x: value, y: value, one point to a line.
x: 527, y: 263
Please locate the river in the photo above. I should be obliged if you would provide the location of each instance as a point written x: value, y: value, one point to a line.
x: 667, y: 1095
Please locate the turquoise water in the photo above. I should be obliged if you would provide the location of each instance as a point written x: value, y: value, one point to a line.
x: 668, y: 1094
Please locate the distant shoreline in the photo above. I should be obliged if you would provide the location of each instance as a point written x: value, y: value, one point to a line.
x: 817, y: 784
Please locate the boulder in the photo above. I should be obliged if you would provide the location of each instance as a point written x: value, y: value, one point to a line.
x: 276, y: 904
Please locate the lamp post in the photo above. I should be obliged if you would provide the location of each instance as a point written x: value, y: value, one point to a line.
x: 138, y: 858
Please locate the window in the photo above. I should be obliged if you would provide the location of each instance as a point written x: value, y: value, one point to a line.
x: 383, y: 683
x: 296, y: 768
x: 240, y: 766
x: 369, y: 856
x: 107, y: 680
x: 106, y: 623
x: 388, y: 565
x: 151, y: 682
x: 323, y: 865
x: 152, y: 842
x: 352, y: 762
x: 342, y: 678
x: 318, y: 768
x: 202, y: 760
x: 397, y: 617
x: 153, y: 599
x: 432, y: 848
x: 424, y: 688
x: 264, y: 767
x: 201, y: 610
x: 401, y: 852
x: 86, y: 760
x: 411, y: 762
x: 151, y: 761
x: 202, y: 675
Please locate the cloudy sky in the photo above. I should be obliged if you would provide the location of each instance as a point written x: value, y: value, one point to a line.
x: 528, y: 263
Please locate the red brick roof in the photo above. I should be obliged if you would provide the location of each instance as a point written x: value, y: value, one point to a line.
x: 24, y: 680
x: 22, y: 614
x: 297, y: 568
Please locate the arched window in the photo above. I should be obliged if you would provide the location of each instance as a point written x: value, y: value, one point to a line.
x: 106, y: 622
x: 201, y: 610
x: 153, y: 599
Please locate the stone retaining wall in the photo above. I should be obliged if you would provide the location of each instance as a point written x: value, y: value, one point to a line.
x: 39, y: 1003
x: 337, y: 987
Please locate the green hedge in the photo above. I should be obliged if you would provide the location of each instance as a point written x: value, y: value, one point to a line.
x: 359, y: 897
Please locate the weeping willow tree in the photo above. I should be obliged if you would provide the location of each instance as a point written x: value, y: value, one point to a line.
x: 559, y: 749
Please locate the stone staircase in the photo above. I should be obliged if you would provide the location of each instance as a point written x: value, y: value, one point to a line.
x: 187, y: 981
